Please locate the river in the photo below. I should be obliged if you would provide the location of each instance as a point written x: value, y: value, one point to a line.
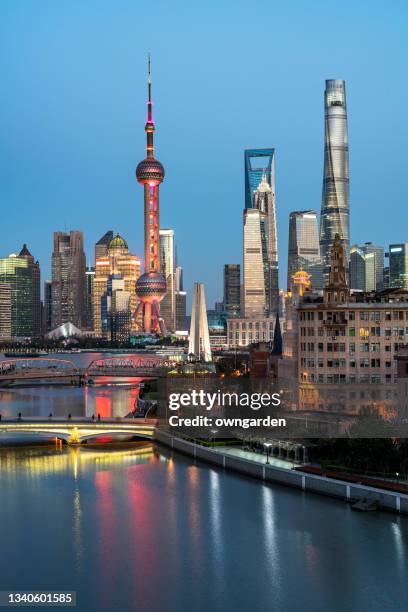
x: 137, y: 528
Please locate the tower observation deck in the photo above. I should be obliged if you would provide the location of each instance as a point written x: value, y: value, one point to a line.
x: 151, y: 286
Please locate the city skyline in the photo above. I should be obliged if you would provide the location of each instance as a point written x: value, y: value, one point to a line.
x: 88, y: 196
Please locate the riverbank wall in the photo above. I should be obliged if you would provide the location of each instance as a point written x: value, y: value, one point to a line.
x: 348, y: 492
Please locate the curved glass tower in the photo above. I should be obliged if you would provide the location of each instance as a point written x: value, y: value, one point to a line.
x: 334, y: 218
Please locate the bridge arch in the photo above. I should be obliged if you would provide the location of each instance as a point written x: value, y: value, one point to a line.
x: 35, y: 363
x: 125, y: 362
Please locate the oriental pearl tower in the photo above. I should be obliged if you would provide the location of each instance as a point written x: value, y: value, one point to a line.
x: 151, y: 287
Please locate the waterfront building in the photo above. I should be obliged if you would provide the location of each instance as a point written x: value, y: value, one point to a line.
x: 151, y: 286
x: 117, y: 261
x: 199, y: 338
x: 398, y: 265
x: 244, y: 332
x: 47, y: 322
x: 20, y: 303
x: 116, y: 311
x: 304, y: 247
x: 90, y: 275
x: 181, y: 311
x: 232, y: 290
x: 261, y: 285
x: 68, y: 280
x: 347, y: 345
x: 34, y: 266
x: 258, y: 162
x: 334, y: 218
x: 101, y: 247
x: 167, y: 269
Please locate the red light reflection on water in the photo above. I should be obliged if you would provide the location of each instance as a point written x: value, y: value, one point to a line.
x: 106, y: 518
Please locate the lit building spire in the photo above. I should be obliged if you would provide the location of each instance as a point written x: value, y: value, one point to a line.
x: 151, y: 286
x: 149, y: 127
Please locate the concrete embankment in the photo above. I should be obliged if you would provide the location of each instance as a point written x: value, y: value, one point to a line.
x: 349, y: 492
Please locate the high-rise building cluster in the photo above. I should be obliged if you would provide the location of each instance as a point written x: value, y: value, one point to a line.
x: 120, y: 295
x: 110, y: 299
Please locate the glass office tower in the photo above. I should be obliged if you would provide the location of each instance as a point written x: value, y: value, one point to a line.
x: 68, y: 280
x: 19, y: 296
x: 304, y: 248
x: 232, y: 289
x: 257, y: 163
x: 398, y: 257
x: 261, y: 285
x: 168, y: 270
x: 367, y: 267
x: 362, y: 269
x: 334, y: 218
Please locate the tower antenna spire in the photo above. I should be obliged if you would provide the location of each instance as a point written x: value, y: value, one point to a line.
x: 151, y: 286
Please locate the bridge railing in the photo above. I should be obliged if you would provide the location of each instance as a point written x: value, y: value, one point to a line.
x: 22, y: 364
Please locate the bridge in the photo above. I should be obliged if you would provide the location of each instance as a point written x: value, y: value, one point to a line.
x: 81, y: 429
x: 31, y: 369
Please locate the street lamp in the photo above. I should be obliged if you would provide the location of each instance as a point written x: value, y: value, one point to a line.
x: 267, y: 445
x: 213, y: 431
x: 397, y: 475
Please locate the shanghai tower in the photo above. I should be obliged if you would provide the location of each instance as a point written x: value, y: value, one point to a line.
x: 151, y: 286
x: 334, y: 218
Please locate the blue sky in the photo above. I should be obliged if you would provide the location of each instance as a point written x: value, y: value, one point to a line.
x: 226, y: 76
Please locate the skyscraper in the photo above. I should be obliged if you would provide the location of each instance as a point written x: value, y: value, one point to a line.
x: 199, y: 339
x: 167, y: 269
x: 261, y: 285
x: 36, y: 284
x: 257, y: 163
x: 362, y: 270
x: 20, y: 306
x: 367, y: 267
x: 47, y: 306
x: 232, y: 290
x: 90, y: 275
x: 179, y: 278
x: 101, y: 247
x: 116, y: 262
x: 68, y: 280
x: 116, y: 310
x: 369, y: 247
x: 181, y: 311
x: 304, y: 248
x: 151, y: 286
x: 398, y: 258
x: 334, y: 218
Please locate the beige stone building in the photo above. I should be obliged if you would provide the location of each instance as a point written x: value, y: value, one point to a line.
x: 347, y: 346
x: 117, y: 261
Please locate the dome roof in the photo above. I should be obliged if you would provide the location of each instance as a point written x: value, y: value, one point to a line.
x: 151, y: 287
x: 118, y: 243
x: 150, y: 169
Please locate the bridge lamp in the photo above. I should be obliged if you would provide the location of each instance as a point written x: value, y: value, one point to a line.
x: 267, y: 445
x: 213, y: 431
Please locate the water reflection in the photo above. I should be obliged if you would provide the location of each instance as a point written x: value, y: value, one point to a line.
x: 140, y: 528
x: 109, y: 397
